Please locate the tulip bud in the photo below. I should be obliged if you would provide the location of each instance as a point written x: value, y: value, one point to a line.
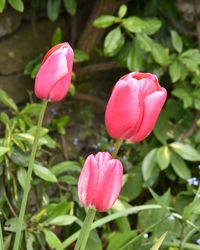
x: 100, y: 181
x: 134, y: 106
x: 54, y: 76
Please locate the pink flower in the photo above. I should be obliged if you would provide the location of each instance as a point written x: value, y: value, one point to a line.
x: 134, y: 106
x: 54, y: 76
x: 100, y: 181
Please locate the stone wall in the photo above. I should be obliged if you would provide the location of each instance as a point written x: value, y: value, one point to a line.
x: 23, y: 36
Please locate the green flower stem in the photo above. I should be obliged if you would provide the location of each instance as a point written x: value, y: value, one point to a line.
x: 1, y: 238
x: 117, y: 147
x: 85, y: 230
x: 28, y: 177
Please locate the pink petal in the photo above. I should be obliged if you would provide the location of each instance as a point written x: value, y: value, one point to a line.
x: 88, y: 180
x: 50, y: 72
x: 109, y: 184
x: 152, y: 107
x: 123, y: 109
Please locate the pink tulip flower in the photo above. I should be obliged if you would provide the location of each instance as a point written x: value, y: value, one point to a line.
x: 100, y: 181
x: 54, y: 76
x: 134, y: 106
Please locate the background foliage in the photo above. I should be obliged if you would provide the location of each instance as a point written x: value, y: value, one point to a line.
x: 161, y: 173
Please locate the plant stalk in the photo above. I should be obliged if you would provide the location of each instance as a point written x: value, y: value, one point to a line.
x: 28, y: 176
x: 85, y: 230
x: 117, y: 147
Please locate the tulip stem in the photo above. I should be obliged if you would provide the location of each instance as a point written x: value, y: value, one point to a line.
x: 117, y: 147
x: 85, y: 230
x: 28, y: 176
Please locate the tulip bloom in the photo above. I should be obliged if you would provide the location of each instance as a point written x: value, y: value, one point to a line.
x: 134, y: 106
x: 54, y: 76
x: 100, y: 181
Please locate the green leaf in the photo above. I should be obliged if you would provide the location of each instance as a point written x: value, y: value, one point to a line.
x: 118, y: 240
x: 163, y: 157
x: 11, y: 225
x: 80, y: 56
x: 122, y: 10
x: 65, y: 166
x: 159, y: 242
x: 94, y: 242
x: 113, y: 43
x: 63, y: 220
x: 71, y: 180
x: 17, y: 5
x: 104, y: 21
x: 57, y: 36
x: 44, y: 173
x: 160, y: 54
x: 184, y: 96
x: 177, y: 41
x: 52, y: 240
x: 2, y: 5
x: 30, y: 240
x: 191, y: 59
x: 158, y: 199
x: 149, y: 164
x: 144, y: 41
x: 7, y: 101
x: 175, y: 71
x: 133, y: 24
x: 179, y: 167
x: 191, y: 209
x: 21, y: 176
x: 3, y: 150
x: 53, y: 9
x: 135, y: 58
x: 70, y: 6
x: 152, y: 26
x: 186, y: 151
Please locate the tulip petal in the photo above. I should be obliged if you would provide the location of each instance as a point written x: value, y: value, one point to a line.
x: 50, y: 72
x: 88, y: 180
x: 109, y: 184
x: 122, y: 120
x: 152, y: 107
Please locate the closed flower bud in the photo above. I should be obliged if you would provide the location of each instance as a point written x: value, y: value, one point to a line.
x: 134, y: 106
x: 54, y: 76
x: 100, y: 181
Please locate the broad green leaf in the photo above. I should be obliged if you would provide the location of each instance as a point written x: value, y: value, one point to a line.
x: 2, y: 5
x: 122, y: 10
x: 177, y: 41
x: 118, y: 240
x: 160, y: 54
x: 144, y: 41
x: 53, y: 9
x: 134, y: 24
x: 149, y: 164
x: 3, y: 150
x: 30, y: 239
x: 191, y: 59
x: 179, y: 167
x: 57, y: 210
x: 94, y: 242
x: 63, y: 220
x: 159, y: 242
x: 11, y: 225
x: 57, y: 36
x: 7, y: 101
x: 70, y: 6
x: 80, y: 56
x: 152, y: 26
x: 186, y: 151
x: 21, y: 176
x: 113, y: 42
x: 17, y: 5
x: 158, y: 199
x: 25, y: 137
x: 191, y: 209
x: 65, y: 166
x: 184, y: 95
x: 52, y: 240
x: 44, y: 173
x: 135, y: 58
x: 104, y: 21
x: 175, y: 71
x: 163, y: 157
x: 71, y: 180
